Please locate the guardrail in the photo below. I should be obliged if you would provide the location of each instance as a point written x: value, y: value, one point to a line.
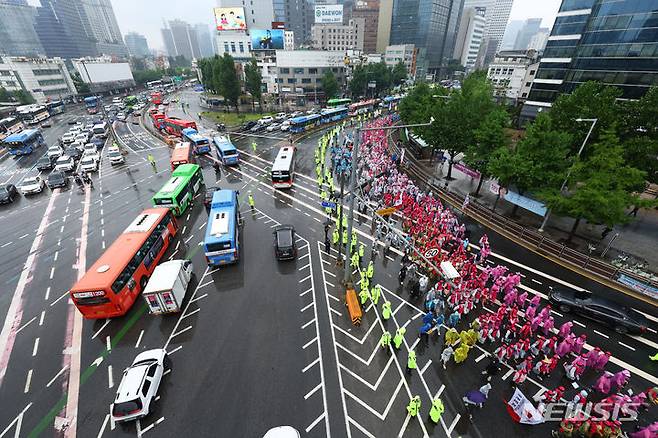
x: 601, y: 271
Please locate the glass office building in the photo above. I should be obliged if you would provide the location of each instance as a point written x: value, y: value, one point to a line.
x: 611, y: 41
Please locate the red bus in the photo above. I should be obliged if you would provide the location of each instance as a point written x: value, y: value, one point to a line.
x: 110, y: 287
x: 174, y: 125
x: 182, y: 154
x: 156, y: 98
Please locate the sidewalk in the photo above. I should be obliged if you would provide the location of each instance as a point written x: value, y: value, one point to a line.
x: 638, y: 238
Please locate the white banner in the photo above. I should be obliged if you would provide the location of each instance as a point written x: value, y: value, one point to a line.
x: 328, y: 14
x: 522, y: 410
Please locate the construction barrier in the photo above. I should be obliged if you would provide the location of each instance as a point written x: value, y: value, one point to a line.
x: 353, y: 307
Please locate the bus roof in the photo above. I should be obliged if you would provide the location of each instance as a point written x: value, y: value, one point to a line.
x: 304, y: 119
x: 186, y: 170
x: 107, y: 268
x: 223, y: 143
x: 283, y: 158
x: 21, y: 136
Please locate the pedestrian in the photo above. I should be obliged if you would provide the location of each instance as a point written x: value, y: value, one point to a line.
x: 385, y: 341
x: 252, y: 203
x: 414, y: 406
x: 437, y: 410
x: 411, y: 361
x: 386, y: 309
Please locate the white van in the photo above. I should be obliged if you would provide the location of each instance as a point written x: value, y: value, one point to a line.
x: 166, y: 289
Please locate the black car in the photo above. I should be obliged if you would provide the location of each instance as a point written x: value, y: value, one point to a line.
x: 622, y: 319
x: 57, y: 179
x: 7, y: 193
x: 247, y: 126
x: 45, y: 163
x: 284, y: 242
x: 73, y: 152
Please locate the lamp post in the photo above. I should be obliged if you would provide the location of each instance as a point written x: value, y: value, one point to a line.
x: 566, y: 179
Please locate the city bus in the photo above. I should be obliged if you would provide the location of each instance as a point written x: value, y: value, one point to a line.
x: 222, y: 241
x: 24, y: 142
x: 10, y: 125
x: 363, y: 107
x: 110, y: 287
x: 283, y: 169
x: 329, y: 115
x: 92, y: 103
x: 200, y: 144
x: 178, y: 193
x: 175, y: 126
x: 182, y: 154
x: 32, y: 114
x: 302, y: 123
x: 333, y: 103
x: 227, y: 153
x: 156, y: 98
x: 55, y: 107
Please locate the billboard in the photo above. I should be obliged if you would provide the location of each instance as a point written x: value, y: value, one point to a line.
x: 230, y: 19
x: 328, y: 14
x: 266, y: 39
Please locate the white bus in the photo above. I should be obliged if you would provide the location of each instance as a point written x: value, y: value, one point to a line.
x: 101, y: 130
x: 283, y: 169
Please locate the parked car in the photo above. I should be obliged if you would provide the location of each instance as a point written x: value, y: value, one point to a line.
x: 54, y: 152
x: 7, y: 193
x: 32, y: 185
x: 56, y: 179
x: 45, y: 163
x: 115, y: 156
x: 89, y: 164
x: 139, y: 386
x: 64, y: 164
x: 621, y: 318
x: 284, y: 242
x: 73, y: 152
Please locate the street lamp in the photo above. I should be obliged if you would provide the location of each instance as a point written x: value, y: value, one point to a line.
x: 566, y: 179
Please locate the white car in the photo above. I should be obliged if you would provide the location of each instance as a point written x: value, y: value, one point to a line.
x: 272, y: 127
x: 89, y: 163
x: 266, y: 120
x: 64, y: 164
x: 115, y: 156
x: 285, y: 126
x: 139, y: 386
x: 54, y: 152
x: 68, y: 138
x: 32, y: 185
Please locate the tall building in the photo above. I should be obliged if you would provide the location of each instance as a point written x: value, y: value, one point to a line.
x: 368, y: 10
x: 431, y: 25
x: 529, y: 29
x: 17, y: 34
x: 469, y: 38
x: 181, y: 40
x: 384, y: 19
x: 497, y: 15
x: 339, y: 36
x: 103, y: 27
x: 597, y: 40
x: 204, y: 39
x: 45, y: 79
x: 257, y: 14
x: 137, y: 44
x: 62, y: 28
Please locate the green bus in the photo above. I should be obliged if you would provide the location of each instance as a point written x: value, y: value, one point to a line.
x: 178, y: 192
x: 333, y: 103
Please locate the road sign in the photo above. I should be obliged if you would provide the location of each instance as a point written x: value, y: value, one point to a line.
x: 432, y: 252
x: 387, y: 211
x: 328, y: 204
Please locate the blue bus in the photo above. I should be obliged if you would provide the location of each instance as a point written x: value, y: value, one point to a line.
x: 24, y: 142
x: 302, y: 123
x: 222, y: 241
x: 92, y: 103
x: 329, y: 115
x: 200, y: 144
x: 227, y: 153
x: 55, y: 107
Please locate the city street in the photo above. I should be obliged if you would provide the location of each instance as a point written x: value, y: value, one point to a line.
x: 258, y: 344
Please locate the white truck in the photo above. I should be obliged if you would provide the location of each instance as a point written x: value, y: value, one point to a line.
x: 166, y: 289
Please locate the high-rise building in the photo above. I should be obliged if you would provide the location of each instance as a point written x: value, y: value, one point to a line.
x: 17, y: 34
x: 181, y: 40
x: 339, y: 36
x: 137, y: 44
x: 103, y: 27
x: 597, y: 40
x: 257, y: 14
x: 431, y: 25
x: 469, y: 38
x: 204, y: 39
x: 529, y: 29
x: 497, y: 14
x: 368, y: 10
x: 62, y: 27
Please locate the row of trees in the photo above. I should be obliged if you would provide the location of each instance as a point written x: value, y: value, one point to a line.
x: 604, y: 181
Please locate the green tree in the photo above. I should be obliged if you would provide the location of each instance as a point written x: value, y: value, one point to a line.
x: 227, y: 81
x: 5, y: 96
x: 601, y: 187
x: 253, y: 82
x: 329, y: 85
x: 399, y: 73
x: 489, y: 136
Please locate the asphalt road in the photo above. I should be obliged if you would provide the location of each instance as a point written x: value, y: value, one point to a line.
x: 260, y: 343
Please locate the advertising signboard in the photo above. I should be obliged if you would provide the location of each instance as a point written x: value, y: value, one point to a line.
x: 266, y: 39
x: 328, y: 14
x: 230, y: 19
